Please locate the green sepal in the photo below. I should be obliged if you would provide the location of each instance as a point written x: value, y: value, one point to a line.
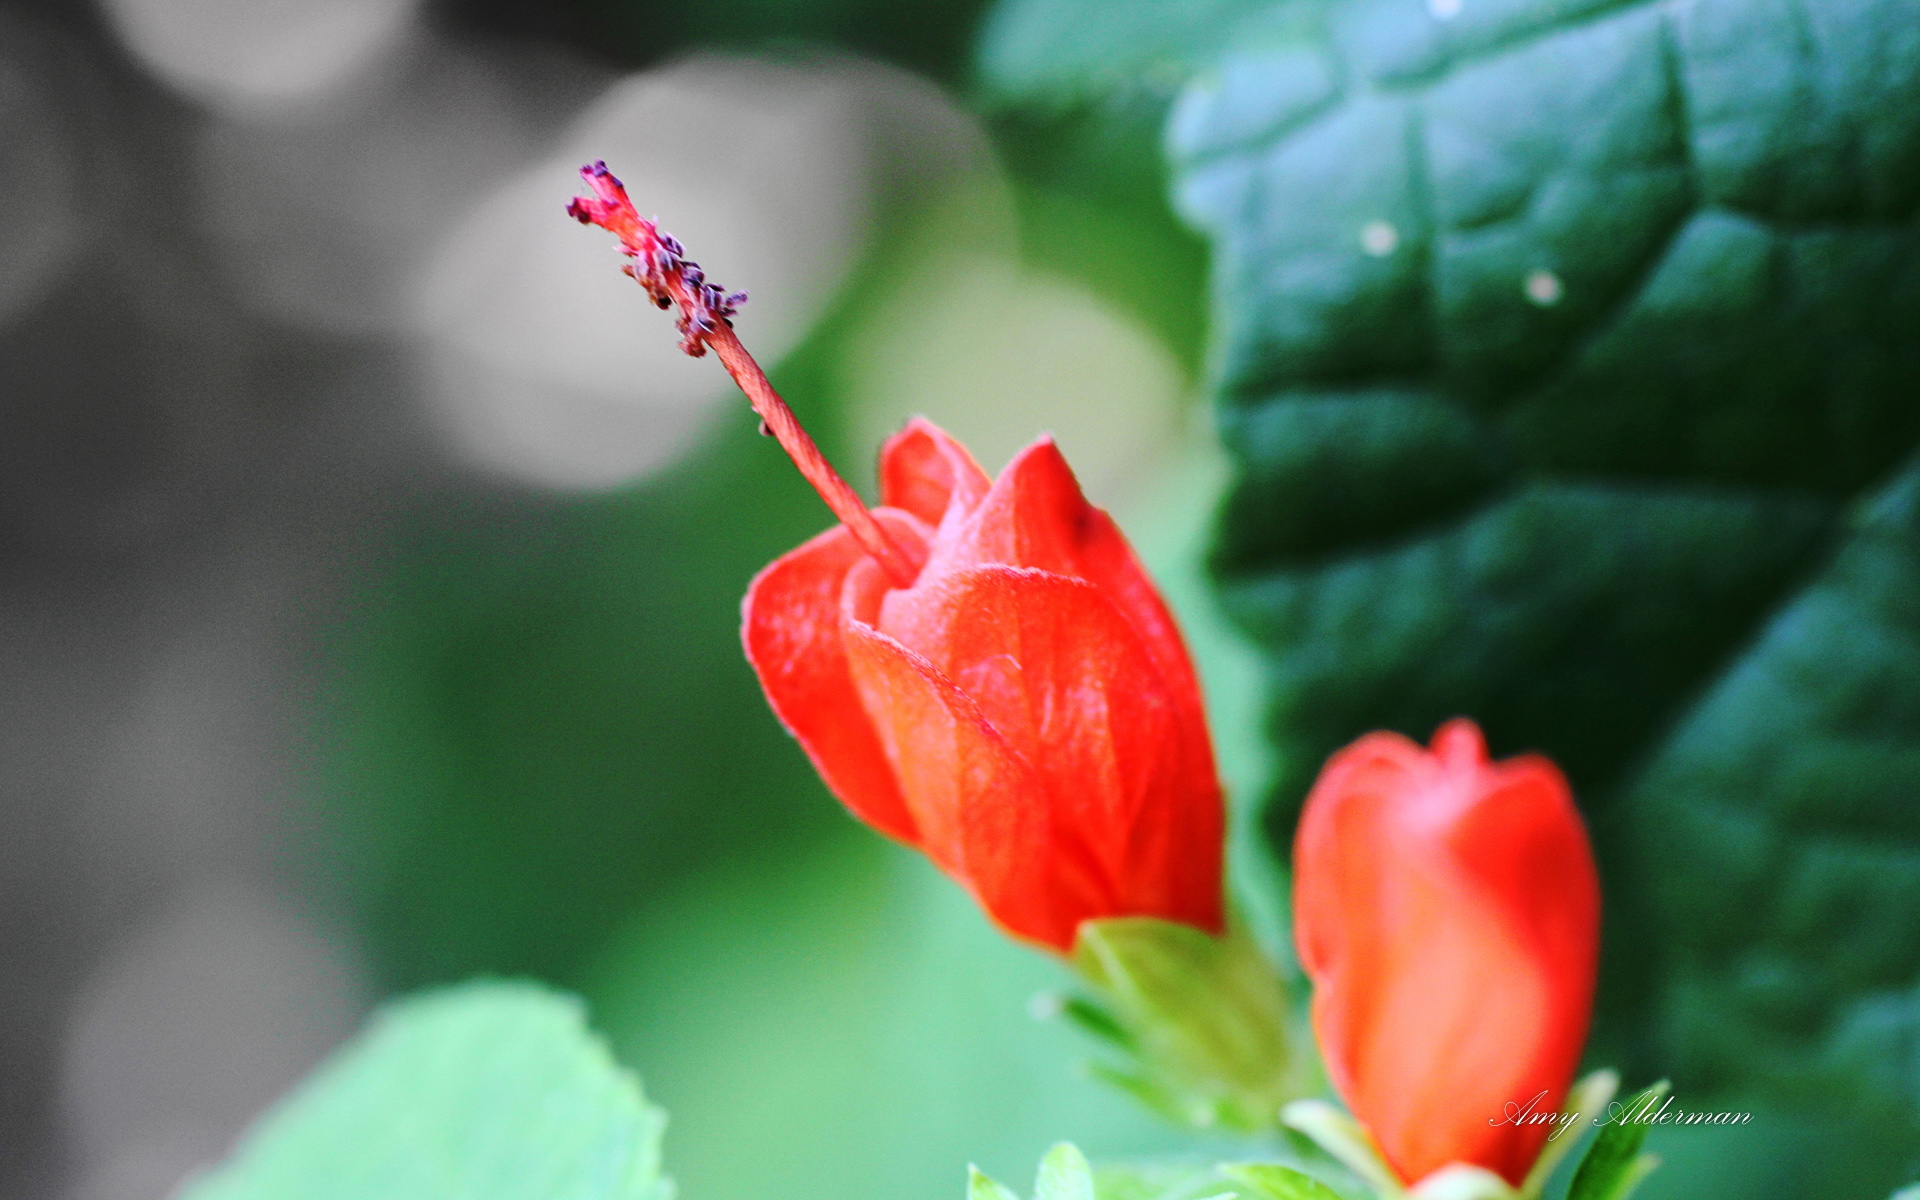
x: 1064, y: 1175
x: 1210, y: 1026
x: 1095, y: 1020
x: 981, y: 1186
x: 1157, y: 1181
x: 1276, y: 1181
x: 1146, y: 1091
x: 1614, y: 1166
x: 1585, y: 1101
x: 1344, y: 1140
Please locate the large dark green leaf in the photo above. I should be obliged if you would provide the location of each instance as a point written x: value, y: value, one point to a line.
x: 1781, y: 833
x: 1569, y: 351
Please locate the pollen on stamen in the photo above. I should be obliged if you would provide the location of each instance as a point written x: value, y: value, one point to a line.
x: 660, y: 263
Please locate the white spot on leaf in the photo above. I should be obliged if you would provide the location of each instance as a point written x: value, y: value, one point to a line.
x: 1543, y: 288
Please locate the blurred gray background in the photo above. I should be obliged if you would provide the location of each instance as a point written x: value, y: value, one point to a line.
x: 369, y: 557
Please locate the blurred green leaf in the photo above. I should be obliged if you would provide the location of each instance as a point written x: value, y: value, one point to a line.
x: 1064, y: 1175
x: 1613, y: 1165
x: 1279, y: 1181
x: 486, y: 1091
x: 1138, y: 1181
x: 981, y: 1186
x: 1077, y: 95
x: 1208, y: 1027
x: 1568, y: 352
x: 1124, y: 245
x: 841, y: 1020
x: 1097, y: 1021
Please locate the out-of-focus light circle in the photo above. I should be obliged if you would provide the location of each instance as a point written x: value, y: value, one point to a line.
x: 1544, y: 288
x: 1379, y: 238
x: 997, y: 355
x: 548, y: 365
x: 187, y: 1029
x: 322, y: 217
x: 259, y: 54
x: 531, y: 428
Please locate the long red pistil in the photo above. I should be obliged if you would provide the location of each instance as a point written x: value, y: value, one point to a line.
x: 661, y: 265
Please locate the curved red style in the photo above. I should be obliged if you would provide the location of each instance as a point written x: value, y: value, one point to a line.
x: 1024, y: 712
x: 1448, y: 912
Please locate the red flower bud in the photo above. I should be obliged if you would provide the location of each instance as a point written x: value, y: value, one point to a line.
x: 979, y: 668
x: 1448, y: 912
x: 1021, y: 708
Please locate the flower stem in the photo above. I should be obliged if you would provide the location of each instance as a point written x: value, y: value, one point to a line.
x: 786, y: 429
x: 661, y: 266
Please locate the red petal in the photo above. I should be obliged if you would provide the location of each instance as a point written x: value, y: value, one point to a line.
x: 1122, y: 756
x: 1524, y: 844
x: 1036, y: 516
x: 1447, y: 912
x: 926, y: 472
x: 790, y: 625
x: 977, y: 802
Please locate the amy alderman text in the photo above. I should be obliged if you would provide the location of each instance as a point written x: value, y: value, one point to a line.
x: 1644, y: 1110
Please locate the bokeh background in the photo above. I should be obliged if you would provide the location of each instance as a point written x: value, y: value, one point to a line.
x: 370, y: 559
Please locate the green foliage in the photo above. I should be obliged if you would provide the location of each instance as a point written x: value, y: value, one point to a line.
x: 1614, y: 1166
x: 841, y: 1020
x: 1205, y: 1021
x: 1778, y: 817
x: 1132, y: 1181
x: 981, y: 1187
x: 487, y: 1091
x: 1120, y: 241
x: 1568, y: 352
x: 1076, y: 96
x: 1277, y: 1181
x: 1064, y: 1175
